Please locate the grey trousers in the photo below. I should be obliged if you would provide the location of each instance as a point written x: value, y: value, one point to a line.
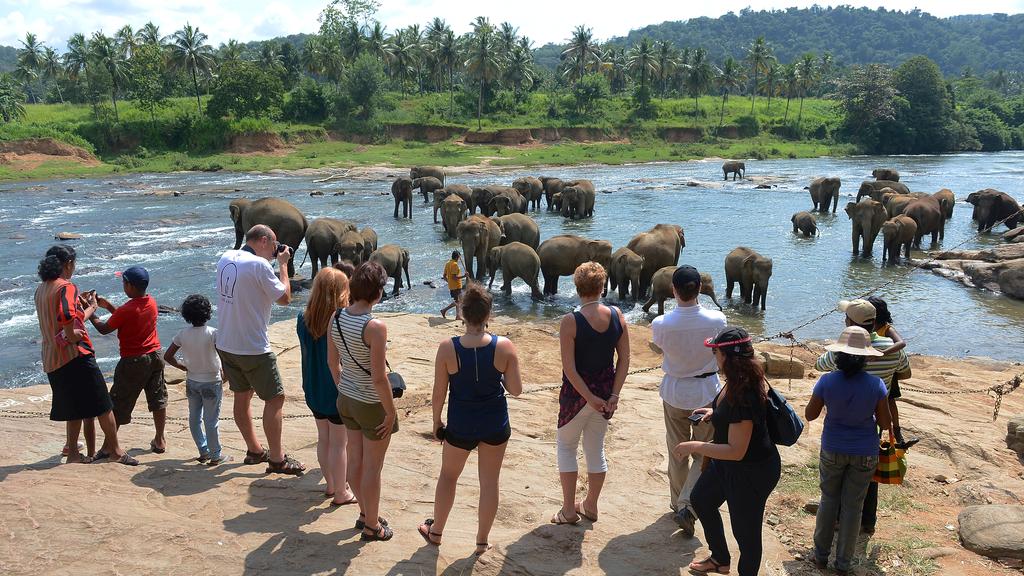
x: 844, y: 484
x: 683, y: 475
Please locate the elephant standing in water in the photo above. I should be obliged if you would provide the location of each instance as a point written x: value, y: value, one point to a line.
x: 874, y: 189
x: 661, y: 289
x: 516, y: 260
x: 460, y: 190
x: 427, y: 185
x: 453, y: 211
x: 401, y: 189
x: 561, y: 255
x: 947, y: 200
x: 660, y: 246
x: 735, y: 168
x: 552, y: 186
x: 578, y: 200
x: 867, y: 217
x: 322, y: 237
x: 885, y: 174
x: 425, y: 171
x: 531, y: 188
x: 287, y: 222
x: 898, y: 234
x: 804, y: 222
x: 928, y: 214
x: 624, y: 273
x: 369, y: 236
x: 478, y: 235
x: 351, y: 247
x: 992, y: 206
x: 394, y: 259
x: 518, y: 228
x: 752, y: 271
x: 825, y: 191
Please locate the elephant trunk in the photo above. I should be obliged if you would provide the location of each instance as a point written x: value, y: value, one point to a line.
x: 238, y: 235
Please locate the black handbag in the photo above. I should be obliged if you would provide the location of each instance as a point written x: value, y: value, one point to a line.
x: 394, y: 378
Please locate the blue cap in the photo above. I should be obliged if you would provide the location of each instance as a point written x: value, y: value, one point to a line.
x: 136, y: 276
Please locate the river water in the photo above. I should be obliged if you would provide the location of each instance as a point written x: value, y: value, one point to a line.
x: 180, y: 238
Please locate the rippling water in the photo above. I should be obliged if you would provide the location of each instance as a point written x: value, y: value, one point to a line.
x: 179, y: 239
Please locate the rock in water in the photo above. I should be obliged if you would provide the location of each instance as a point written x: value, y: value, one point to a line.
x: 993, y: 530
x: 1011, y: 280
x: 67, y: 236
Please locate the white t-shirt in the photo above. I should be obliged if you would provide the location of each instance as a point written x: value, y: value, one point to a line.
x: 248, y: 287
x: 681, y: 334
x: 198, y: 353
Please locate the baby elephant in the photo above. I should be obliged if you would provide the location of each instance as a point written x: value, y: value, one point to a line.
x: 661, y: 289
x: 898, y: 234
x: 804, y: 222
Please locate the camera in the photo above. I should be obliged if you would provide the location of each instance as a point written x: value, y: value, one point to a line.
x: 280, y: 248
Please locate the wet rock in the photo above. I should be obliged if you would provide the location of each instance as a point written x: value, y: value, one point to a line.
x: 1014, y: 235
x: 178, y: 193
x: 316, y: 193
x: 988, y: 530
x: 1011, y: 278
x: 780, y: 365
x: 763, y: 187
x: 16, y: 237
x: 1015, y: 434
x: 342, y: 193
x: 693, y: 184
x: 67, y: 236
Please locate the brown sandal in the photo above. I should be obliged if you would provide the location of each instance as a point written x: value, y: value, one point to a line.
x: 581, y: 511
x: 709, y: 566
x: 561, y: 519
x: 286, y: 466
x: 429, y: 534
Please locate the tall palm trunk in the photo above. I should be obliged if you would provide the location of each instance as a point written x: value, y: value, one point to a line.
x: 753, y: 93
x: 721, y: 115
x: 480, y: 107
x: 770, y: 89
x: 113, y: 98
x: 800, y: 115
x: 195, y: 84
x: 59, y: 94
x: 451, y: 92
x: 785, y: 116
x: 696, y: 108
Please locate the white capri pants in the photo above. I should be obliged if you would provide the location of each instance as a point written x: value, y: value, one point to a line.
x: 591, y: 425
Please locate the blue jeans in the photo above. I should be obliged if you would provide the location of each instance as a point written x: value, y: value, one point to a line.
x: 204, y: 399
x: 844, y: 484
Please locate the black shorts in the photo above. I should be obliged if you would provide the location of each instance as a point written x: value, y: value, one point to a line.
x: 469, y: 445
x: 455, y: 293
x: 78, y: 391
x: 894, y: 388
x: 332, y: 418
x: 132, y: 376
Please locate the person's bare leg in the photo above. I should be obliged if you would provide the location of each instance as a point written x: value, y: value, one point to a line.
x: 159, y: 423
x: 73, y: 428
x: 373, y: 462
x: 354, y: 472
x: 491, y: 458
x: 273, y: 423
x: 568, y: 480
x: 595, y: 481
x: 453, y: 461
x: 337, y: 461
x: 323, y: 451
x: 89, y: 431
x: 109, y: 428
x: 243, y: 420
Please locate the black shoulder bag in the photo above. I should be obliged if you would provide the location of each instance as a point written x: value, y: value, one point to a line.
x: 394, y: 378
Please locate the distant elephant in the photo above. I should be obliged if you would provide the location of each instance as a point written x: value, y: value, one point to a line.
x: 287, y: 222
x: 460, y: 190
x: 453, y: 211
x: 898, y: 234
x: 531, y: 188
x: 992, y: 206
x: 659, y: 247
x: 929, y: 217
x: 556, y: 201
x: 426, y: 185
x: 804, y: 222
x: 506, y: 200
x: 885, y: 174
x: 661, y: 289
x: 874, y: 189
x: 518, y: 228
x: 578, y: 200
x: 322, y: 236
x: 478, y: 235
x: 481, y: 200
x: 394, y: 259
x: 752, y: 271
x: 561, y: 255
x: 624, y: 272
x: 552, y: 186
x: 946, y: 200
x: 867, y: 217
x: 825, y: 191
x: 424, y: 171
x: 369, y: 241
x: 895, y: 204
x: 401, y: 189
x: 351, y: 247
x: 516, y: 260
x: 735, y: 168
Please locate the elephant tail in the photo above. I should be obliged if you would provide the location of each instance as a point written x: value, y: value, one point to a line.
x: 306, y: 253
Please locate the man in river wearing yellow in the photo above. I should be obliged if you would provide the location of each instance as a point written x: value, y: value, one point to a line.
x: 454, y: 276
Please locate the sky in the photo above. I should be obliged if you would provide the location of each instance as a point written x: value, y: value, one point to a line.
x: 53, y: 21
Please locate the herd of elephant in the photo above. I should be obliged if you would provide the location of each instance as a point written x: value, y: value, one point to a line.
x: 903, y: 217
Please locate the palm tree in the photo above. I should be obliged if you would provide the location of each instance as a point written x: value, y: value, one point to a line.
x: 52, y: 69
x: 190, y: 52
x: 772, y: 75
x: 230, y: 52
x: 508, y: 36
x: 642, y: 60
x: 11, y: 107
x: 730, y: 79
x: 581, y: 52
x: 352, y: 42
x: 759, y: 54
x: 270, y: 56
x: 668, y: 61
x: 150, y: 34
x: 519, y: 69
x: 377, y: 43
x: 791, y: 80
x: 109, y: 55
x: 29, y: 60
x: 127, y: 40
x: 448, y: 57
x: 699, y: 77
x: 312, y: 56
x: 403, y: 58
x: 614, y: 68
x: 805, y: 70
x: 76, y: 60
x: 482, y: 64
x: 26, y: 76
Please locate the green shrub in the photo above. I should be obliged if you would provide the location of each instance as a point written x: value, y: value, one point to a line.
x: 308, y: 102
x: 748, y: 126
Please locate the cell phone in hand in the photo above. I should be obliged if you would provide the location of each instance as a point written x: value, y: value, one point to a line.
x: 695, y: 417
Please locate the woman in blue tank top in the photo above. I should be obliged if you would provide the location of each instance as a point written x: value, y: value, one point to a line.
x: 474, y: 371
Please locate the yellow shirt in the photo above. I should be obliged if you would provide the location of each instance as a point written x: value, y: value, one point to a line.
x: 452, y: 274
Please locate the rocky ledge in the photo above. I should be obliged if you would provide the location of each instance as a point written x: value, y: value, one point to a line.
x: 1000, y: 269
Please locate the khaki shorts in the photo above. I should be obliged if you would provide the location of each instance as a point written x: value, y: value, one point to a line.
x: 358, y: 415
x: 132, y: 376
x: 256, y: 372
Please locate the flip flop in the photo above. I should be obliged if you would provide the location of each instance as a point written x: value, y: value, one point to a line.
x: 483, y: 545
x: 152, y: 446
x: 100, y: 455
x: 126, y: 460
x: 352, y: 500
x: 581, y: 511
x: 561, y: 519
x: 709, y: 566
x: 84, y: 460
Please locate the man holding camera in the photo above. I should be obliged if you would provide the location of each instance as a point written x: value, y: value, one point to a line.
x: 248, y: 287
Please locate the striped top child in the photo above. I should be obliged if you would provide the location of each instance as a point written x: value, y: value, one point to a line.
x: 356, y: 380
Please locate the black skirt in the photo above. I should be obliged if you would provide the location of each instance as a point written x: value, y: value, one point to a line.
x: 79, y: 391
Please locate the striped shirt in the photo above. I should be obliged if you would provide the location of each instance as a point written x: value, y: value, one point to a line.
x: 356, y: 380
x: 57, y: 306
x: 882, y: 366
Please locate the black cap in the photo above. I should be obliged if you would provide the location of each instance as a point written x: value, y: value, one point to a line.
x: 685, y: 275
x: 732, y: 340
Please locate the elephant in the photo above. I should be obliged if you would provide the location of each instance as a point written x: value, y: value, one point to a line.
x: 369, y: 241
x: 661, y: 289
x: 752, y: 271
x: 531, y: 188
x: 452, y: 212
x: 659, y: 247
x: 478, y: 235
x: 992, y: 206
x: 481, y: 197
x: 561, y: 255
x: 516, y: 260
x: 460, y: 190
x: 427, y: 185
x: 518, y: 228
x: 401, y: 189
x: 898, y: 234
x: 804, y: 222
x: 425, y: 171
x: 556, y: 201
x: 322, y: 236
x: 578, y: 200
x: 885, y: 174
x: 287, y: 222
x: 823, y: 192
x: 351, y: 246
x: 947, y: 200
x: 929, y: 217
x: 506, y: 200
x: 552, y: 186
x: 624, y: 272
x: 895, y: 204
x: 735, y: 168
x: 393, y: 258
x: 867, y: 217
x: 874, y: 189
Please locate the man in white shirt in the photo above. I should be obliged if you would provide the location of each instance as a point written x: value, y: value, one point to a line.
x: 248, y: 287
x: 690, y: 382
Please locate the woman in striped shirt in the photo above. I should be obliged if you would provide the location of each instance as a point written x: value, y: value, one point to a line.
x: 358, y: 363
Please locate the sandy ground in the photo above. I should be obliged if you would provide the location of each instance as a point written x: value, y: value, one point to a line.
x: 172, y: 515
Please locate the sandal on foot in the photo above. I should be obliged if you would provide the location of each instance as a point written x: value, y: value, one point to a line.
x: 286, y: 466
x: 352, y: 500
x: 360, y: 523
x: 581, y: 511
x: 561, y: 519
x: 101, y: 454
x: 381, y: 534
x: 153, y: 447
x: 709, y: 566
x: 256, y: 457
x: 482, y: 548
x: 203, y: 458
x: 82, y: 459
x: 218, y: 461
x: 428, y: 534
x: 126, y: 460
